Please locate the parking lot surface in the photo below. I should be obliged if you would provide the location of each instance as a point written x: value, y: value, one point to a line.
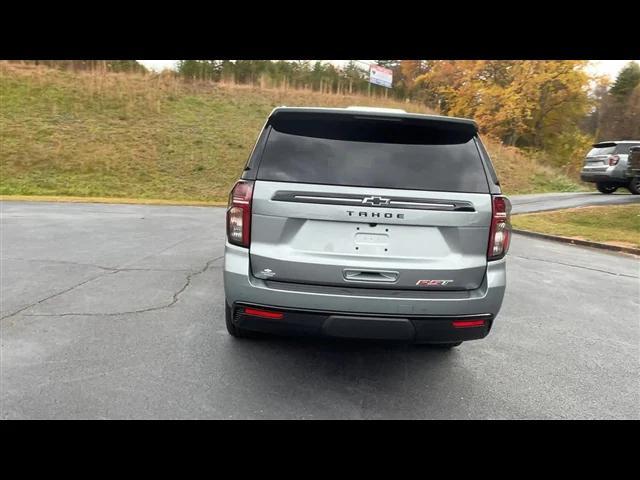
x: 539, y: 202
x: 117, y: 311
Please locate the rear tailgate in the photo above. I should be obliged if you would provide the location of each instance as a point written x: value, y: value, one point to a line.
x: 323, y: 212
x: 597, y: 160
x: 299, y: 237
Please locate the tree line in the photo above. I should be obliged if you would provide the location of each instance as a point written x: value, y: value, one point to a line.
x: 548, y: 105
x: 130, y: 66
x: 317, y: 76
x: 617, y: 112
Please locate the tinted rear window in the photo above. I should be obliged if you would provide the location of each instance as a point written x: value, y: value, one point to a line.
x: 601, y: 151
x: 370, y: 152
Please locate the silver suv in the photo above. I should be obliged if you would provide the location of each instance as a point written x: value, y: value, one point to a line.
x: 606, y: 166
x: 366, y: 223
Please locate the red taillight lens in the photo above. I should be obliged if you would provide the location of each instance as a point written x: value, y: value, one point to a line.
x: 500, y: 231
x: 258, y: 312
x: 613, y: 160
x: 468, y: 323
x: 239, y: 214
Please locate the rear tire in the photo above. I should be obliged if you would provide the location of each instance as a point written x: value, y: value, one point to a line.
x: 606, y: 187
x: 634, y: 185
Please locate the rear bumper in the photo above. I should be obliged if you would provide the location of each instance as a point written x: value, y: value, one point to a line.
x: 428, y: 313
x: 375, y: 327
x: 604, y: 177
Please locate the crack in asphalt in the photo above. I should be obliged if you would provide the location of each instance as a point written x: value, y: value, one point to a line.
x: 52, y: 296
x: 174, y: 300
x: 102, y: 267
x: 91, y: 279
x: 575, y: 266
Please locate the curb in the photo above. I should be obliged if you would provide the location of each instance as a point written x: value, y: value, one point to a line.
x: 575, y: 241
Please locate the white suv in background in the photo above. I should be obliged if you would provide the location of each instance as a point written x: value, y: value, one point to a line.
x: 606, y: 166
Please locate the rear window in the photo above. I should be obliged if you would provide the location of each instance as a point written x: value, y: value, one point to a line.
x: 601, y: 151
x: 612, y: 148
x: 372, y: 152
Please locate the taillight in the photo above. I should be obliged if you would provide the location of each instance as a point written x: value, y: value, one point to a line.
x: 613, y: 160
x: 500, y: 231
x: 259, y: 312
x: 239, y: 214
x: 467, y: 323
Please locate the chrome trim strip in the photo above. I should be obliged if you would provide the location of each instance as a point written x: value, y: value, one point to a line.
x: 356, y: 199
x: 423, y: 204
x: 342, y: 199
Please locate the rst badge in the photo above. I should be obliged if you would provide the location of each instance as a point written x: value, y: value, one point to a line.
x: 433, y: 283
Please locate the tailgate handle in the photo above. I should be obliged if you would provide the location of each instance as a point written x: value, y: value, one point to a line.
x: 351, y: 275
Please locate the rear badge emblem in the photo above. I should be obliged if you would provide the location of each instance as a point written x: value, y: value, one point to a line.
x: 433, y: 283
x: 265, y: 273
x: 376, y: 201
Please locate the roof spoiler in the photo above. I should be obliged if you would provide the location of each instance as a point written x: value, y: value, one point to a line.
x: 437, y: 121
x: 372, y: 126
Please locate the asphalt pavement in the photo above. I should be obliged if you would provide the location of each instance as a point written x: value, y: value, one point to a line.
x: 116, y: 311
x: 539, y: 202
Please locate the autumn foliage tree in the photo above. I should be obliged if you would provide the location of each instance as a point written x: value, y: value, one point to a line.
x: 620, y: 108
x: 532, y: 104
x: 524, y: 103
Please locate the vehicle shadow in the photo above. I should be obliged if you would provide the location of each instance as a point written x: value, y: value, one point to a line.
x: 302, y: 377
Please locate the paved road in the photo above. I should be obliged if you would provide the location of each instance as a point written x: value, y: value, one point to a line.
x: 554, y: 201
x: 116, y: 311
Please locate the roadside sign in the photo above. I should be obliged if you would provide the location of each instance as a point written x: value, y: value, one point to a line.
x: 380, y: 76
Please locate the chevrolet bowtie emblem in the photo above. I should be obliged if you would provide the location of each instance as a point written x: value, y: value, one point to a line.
x: 375, y: 201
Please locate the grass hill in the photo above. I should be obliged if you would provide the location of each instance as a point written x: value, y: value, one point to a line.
x: 155, y: 136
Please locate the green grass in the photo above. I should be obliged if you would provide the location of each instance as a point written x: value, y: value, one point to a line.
x: 616, y: 224
x: 550, y: 182
x: 155, y: 137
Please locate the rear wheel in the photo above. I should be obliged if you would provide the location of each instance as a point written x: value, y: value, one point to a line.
x: 606, y: 187
x: 634, y: 185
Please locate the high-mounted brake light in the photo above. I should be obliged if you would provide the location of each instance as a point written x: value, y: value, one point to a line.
x: 500, y: 231
x: 613, y: 160
x: 239, y: 214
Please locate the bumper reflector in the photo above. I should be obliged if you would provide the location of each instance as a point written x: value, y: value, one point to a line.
x: 468, y: 323
x: 256, y: 312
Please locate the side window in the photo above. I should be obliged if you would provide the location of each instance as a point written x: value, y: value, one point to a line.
x: 251, y: 167
x: 624, y: 148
